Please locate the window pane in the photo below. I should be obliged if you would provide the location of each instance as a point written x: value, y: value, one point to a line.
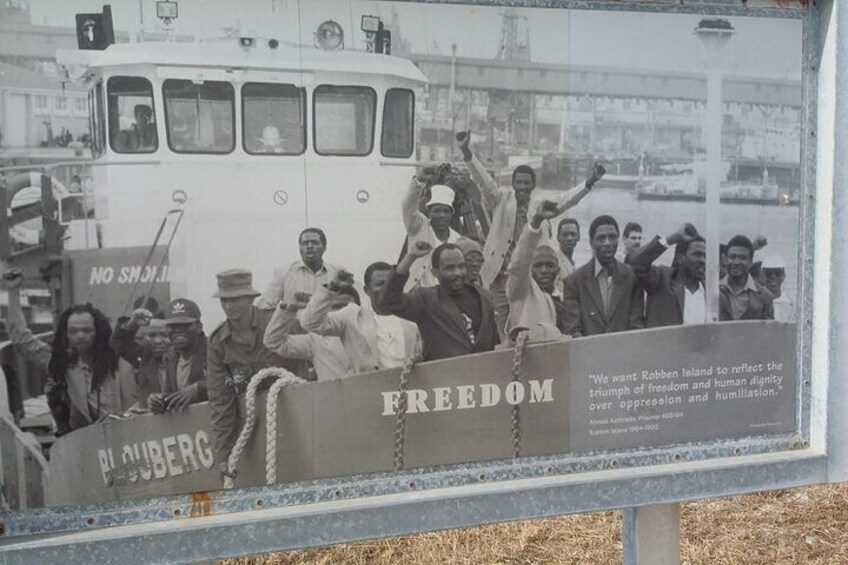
x: 274, y: 119
x: 132, y: 121
x: 344, y: 120
x: 199, y: 116
x: 398, y: 123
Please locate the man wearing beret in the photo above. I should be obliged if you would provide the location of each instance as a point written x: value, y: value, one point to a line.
x: 532, y: 275
x: 234, y: 355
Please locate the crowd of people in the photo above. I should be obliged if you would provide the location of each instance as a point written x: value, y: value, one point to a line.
x: 449, y: 295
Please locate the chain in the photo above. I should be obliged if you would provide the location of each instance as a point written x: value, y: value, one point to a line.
x: 400, y: 422
x: 515, y: 420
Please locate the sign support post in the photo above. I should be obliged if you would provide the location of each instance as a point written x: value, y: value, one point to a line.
x: 651, y: 534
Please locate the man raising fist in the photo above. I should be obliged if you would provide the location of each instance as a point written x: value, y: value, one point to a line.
x: 532, y: 276
x: 454, y: 317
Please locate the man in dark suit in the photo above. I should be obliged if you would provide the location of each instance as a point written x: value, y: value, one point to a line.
x: 602, y: 296
x: 676, y: 294
x: 454, y: 317
x: 741, y: 297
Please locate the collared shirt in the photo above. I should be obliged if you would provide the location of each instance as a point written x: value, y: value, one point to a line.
x: 694, y: 306
x: 566, y: 267
x: 327, y: 354
x: 391, y: 343
x: 183, y: 371
x: 288, y: 281
x: 162, y: 375
x: 784, y: 309
x: 740, y: 299
x: 604, y: 277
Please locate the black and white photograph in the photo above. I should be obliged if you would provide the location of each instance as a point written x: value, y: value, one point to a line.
x: 280, y: 241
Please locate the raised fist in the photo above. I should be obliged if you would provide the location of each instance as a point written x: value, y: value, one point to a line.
x: 420, y: 249
x: 598, y: 171
x: 342, y: 280
x: 142, y: 316
x: 547, y: 210
x: 11, y: 278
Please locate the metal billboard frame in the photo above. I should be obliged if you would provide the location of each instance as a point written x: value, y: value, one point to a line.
x: 203, y: 526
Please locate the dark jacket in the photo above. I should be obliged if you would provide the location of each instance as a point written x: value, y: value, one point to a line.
x: 760, y: 303
x: 197, y: 374
x: 439, y: 320
x: 584, y: 308
x: 664, y: 286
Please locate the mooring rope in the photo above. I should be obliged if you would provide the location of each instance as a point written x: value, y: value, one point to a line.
x: 250, y: 418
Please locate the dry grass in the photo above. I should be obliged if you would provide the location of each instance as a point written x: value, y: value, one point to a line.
x: 807, y: 526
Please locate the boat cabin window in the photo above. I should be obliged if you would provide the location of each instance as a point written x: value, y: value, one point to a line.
x: 132, y: 120
x: 398, y: 123
x: 199, y: 116
x: 273, y: 119
x: 344, y: 120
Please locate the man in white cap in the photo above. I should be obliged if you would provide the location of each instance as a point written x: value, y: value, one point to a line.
x: 434, y: 228
x: 774, y: 273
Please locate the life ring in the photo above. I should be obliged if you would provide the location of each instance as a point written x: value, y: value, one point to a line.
x: 24, y: 189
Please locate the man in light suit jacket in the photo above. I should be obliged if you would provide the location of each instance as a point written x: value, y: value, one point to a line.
x: 531, y: 282
x: 511, y: 208
x: 454, y: 317
x: 602, y: 296
x: 372, y: 341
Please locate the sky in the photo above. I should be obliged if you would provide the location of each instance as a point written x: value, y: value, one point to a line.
x: 659, y: 42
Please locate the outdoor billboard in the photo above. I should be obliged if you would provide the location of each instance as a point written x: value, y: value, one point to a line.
x: 433, y: 253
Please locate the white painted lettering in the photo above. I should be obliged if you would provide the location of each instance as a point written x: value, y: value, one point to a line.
x: 157, y: 462
x: 417, y: 401
x: 514, y: 393
x: 542, y: 392
x: 204, y: 448
x: 105, y: 470
x: 442, y: 398
x: 187, y: 451
x: 490, y: 395
x: 466, y: 397
x: 101, y: 275
x: 390, y: 402
x: 168, y: 445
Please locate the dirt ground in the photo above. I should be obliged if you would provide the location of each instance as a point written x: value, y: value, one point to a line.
x: 807, y: 526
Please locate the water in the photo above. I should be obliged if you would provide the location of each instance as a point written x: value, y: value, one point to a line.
x: 663, y: 217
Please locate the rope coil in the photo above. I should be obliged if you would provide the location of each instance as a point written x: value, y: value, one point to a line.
x: 400, y: 422
x: 283, y: 380
x: 250, y: 417
x: 517, y: 366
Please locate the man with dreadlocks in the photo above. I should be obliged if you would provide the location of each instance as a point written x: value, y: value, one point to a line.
x: 83, y: 383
